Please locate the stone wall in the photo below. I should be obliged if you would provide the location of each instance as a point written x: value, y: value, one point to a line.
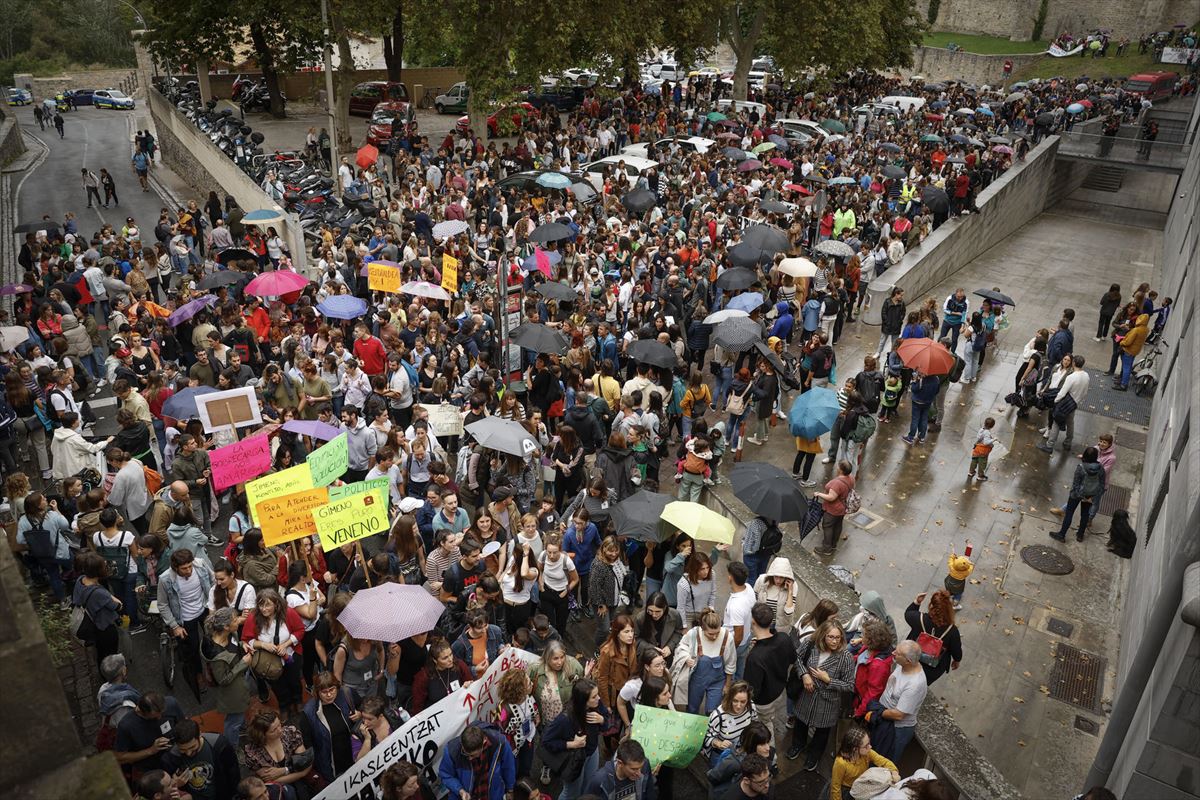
x: 11, y: 144
x: 1015, y: 18
x: 938, y: 63
x: 81, y: 79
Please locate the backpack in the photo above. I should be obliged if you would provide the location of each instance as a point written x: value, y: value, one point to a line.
x: 117, y: 556
x: 868, y: 390
x: 931, y: 646
x: 106, y: 734
x: 864, y: 428
x: 771, y: 541
x: 956, y: 370
x: 41, y: 548
x: 853, y: 502
x: 736, y: 405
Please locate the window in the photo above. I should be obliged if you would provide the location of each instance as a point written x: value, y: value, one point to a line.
x: 1159, y: 499
x: 1181, y: 440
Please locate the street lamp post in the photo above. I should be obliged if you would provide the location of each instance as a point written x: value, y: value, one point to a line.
x: 329, y: 99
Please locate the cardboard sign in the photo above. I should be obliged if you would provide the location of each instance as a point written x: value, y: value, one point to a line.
x: 449, y: 273
x: 292, y: 479
x: 330, y: 461
x: 670, y: 737
x: 236, y: 407
x: 350, y: 519
x: 383, y: 278
x: 289, y: 516
x: 378, y: 486
x: 445, y: 420
x: 240, y: 462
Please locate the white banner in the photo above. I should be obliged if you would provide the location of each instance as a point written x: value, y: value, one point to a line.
x: 421, y: 739
x: 1058, y: 52
x: 1179, y: 55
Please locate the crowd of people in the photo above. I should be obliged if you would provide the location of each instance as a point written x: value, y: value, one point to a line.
x: 522, y: 548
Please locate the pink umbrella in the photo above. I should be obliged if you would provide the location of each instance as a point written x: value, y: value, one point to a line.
x: 728, y: 135
x: 780, y: 162
x: 1002, y: 148
x: 276, y: 283
x: 749, y: 165
x: 390, y: 612
x: 543, y: 261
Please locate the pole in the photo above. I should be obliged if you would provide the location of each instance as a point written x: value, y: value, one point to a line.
x: 329, y: 100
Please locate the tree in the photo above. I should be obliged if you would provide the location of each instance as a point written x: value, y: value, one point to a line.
x: 393, y: 44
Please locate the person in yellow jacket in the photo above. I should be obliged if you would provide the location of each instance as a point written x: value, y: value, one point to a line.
x: 1131, y: 346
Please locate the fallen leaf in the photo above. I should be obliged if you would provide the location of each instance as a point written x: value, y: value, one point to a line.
x: 1019, y: 699
x: 871, y: 557
x: 1020, y: 743
x: 1007, y: 632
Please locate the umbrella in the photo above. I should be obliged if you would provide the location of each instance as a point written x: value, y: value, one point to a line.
x: 1081, y: 87
x: 390, y: 612
x: 935, y: 199
x: 775, y: 206
x: 729, y: 136
x: 835, y: 248
x: 736, y: 279
x: 926, y: 356
x: 813, y: 413
x: 312, y: 427
x: 553, y: 180
x: 1018, y: 85
x: 716, y: 116
x: 735, y: 153
x: 539, y: 338
x: 13, y: 335
x: 995, y: 296
x: 747, y: 255
x: 891, y: 147
x: 935, y: 87
x: 766, y: 237
x: 747, y: 301
x: 797, y: 267
x: 15, y: 288
x: 503, y: 435
x: 639, y: 201
x: 768, y: 491
x: 276, y: 283
x: 931, y: 138
x: 699, y: 522
x: 232, y: 254
x: 956, y: 160
x: 779, y: 141
x: 749, y: 165
x: 551, y: 232
x: 958, y: 137
x: 842, y: 180
x: 262, y: 216
x: 1002, y: 148
x: 724, y: 314
x: 965, y: 112
x: 737, y: 334
x: 833, y: 126
x: 1014, y: 97
x: 224, y: 277
x: 1046, y: 118
x: 637, y: 516
x: 450, y: 227
x: 771, y: 356
x: 653, y: 352
x: 813, y: 177
x: 541, y: 260
x: 425, y: 289
x: 366, y: 156
x: 999, y: 140
x: 553, y: 290
x: 795, y: 187
x: 342, y: 306
x: 1075, y: 108
x: 190, y: 309
x: 182, y: 404
x: 34, y: 227
x: 781, y: 162
x: 764, y: 147
x: 937, y: 105
x: 985, y: 111
x: 931, y: 117
x: 892, y: 171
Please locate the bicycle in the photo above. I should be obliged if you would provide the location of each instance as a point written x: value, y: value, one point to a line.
x: 1146, y: 382
x: 166, y: 642
x: 430, y: 97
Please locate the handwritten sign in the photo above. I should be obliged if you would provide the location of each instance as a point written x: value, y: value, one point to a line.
x: 350, y: 519
x: 236, y: 407
x: 377, y: 486
x: 241, y: 461
x: 287, y: 517
x: 449, y: 273
x: 670, y: 737
x: 445, y: 420
x: 292, y: 479
x: 330, y: 461
x: 383, y: 278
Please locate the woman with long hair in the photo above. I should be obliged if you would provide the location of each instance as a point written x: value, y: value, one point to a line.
x: 567, y: 458
x: 707, y: 655
x: 277, y: 629
x: 31, y: 433
x: 937, y: 624
x: 605, y: 584
x: 854, y: 757
x: 271, y: 751
x: 727, y: 721
x: 827, y: 674
x: 306, y: 599
x: 406, y: 545
x: 517, y: 717
x: 755, y: 739
x: 659, y: 627
x: 578, y: 727
x: 516, y: 584
x: 442, y: 676
x: 696, y: 590
x: 617, y: 661
x: 651, y: 665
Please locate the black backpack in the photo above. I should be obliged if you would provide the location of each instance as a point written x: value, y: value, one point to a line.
x: 868, y: 385
x: 772, y: 540
x: 117, y: 556
x: 42, y: 548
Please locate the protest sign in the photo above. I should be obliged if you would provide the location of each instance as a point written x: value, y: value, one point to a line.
x: 331, y: 460
x: 289, y: 516
x: 445, y: 420
x: 449, y: 273
x: 292, y: 479
x: 383, y: 278
x: 236, y: 407
x: 241, y: 461
x: 420, y: 740
x: 670, y: 737
x: 350, y: 519
x: 377, y: 486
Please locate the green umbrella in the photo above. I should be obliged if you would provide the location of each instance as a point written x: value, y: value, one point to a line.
x: 833, y: 126
x: 931, y: 137
x: 764, y: 147
x: 716, y: 116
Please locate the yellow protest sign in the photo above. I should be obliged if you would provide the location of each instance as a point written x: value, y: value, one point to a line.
x: 289, y: 516
x: 383, y: 278
x: 350, y: 519
x: 293, y: 479
x: 449, y: 273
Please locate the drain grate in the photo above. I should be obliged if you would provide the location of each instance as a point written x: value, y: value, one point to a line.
x: 1086, y: 726
x: 1076, y: 677
x: 1047, y: 560
x: 1115, y: 498
x: 1060, y: 627
x: 1106, y: 401
x: 1131, y: 439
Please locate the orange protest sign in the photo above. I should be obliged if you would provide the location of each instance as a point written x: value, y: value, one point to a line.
x: 449, y: 273
x: 383, y: 278
x: 289, y: 516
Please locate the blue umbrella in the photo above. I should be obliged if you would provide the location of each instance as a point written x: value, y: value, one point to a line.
x: 958, y: 137
x: 735, y: 153
x: 529, y: 264
x: 987, y: 112
x: 553, y: 180
x: 936, y: 104
x: 813, y: 413
x: 1075, y: 108
x: 342, y: 306
x: 263, y: 216
x: 190, y: 309
x: 747, y: 301
x: 182, y: 404
x: 779, y: 141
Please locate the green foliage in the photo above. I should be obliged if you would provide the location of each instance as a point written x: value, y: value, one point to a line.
x: 934, y: 7
x: 1039, y: 22
x: 56, y: 626
x: 48, y: 36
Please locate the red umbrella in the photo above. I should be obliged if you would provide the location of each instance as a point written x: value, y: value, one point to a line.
x: 934, y: 117
x: 925, y: 356
x: 781, y: 162
x: 795, y: 187
x: 366, y: 156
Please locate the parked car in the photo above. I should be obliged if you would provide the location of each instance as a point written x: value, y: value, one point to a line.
x: 904, y: 102
x: 18, y: 97
x: 112, y: 98
x: 804, y: 126
x: 1152, y: 85
x: 634, y: 167
x: 688, y: 144
x: 366, y: 96
x: 725, y: 105
x: 521, y: 114
x: 562, y: 96
x: 580, y: 190
x: 80, y: 97
x: 379, y: 130
x: 453, y: 101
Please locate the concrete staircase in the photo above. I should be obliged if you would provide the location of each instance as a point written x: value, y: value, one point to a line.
x: 1104, y: 179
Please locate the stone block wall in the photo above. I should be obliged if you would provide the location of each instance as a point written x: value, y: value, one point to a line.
x: 1015, y: 18
x: 11, y: 144
x: 81, y: 79
x: 938, y: 63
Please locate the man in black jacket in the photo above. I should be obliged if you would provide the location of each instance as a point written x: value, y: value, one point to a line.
x: 892, y: 318
x: 766, y: 670
x: 585, y: 424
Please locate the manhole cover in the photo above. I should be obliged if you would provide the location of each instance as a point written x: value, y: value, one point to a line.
x: 1076, y: 677
x: 1086, y: 725
x: 862, y: 520
x: 1060, y: 627
x: 1047, y: 560
x: 1115, y: 498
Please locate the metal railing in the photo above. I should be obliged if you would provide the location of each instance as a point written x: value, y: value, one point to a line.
x: 1165, y: 156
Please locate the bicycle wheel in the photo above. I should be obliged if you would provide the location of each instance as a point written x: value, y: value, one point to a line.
x: 1144, y: 385
x: 166, y: 658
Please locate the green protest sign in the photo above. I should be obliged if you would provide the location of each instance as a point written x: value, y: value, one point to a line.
x: 670, y: 737
x: 345, y: 490
x: 330, y: 461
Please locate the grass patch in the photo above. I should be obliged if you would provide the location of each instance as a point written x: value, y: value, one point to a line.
x: 1073, y: 67
x: 56, y: 625
x: 985, y: 45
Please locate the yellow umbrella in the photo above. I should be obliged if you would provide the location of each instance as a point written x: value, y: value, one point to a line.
x: 699, y: 522
x: 155, y: 309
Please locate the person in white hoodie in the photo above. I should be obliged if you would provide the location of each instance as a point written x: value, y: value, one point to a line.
x: 71, y: 452
x: 1074, y: 385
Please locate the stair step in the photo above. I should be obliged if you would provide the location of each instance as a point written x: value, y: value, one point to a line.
x: 1105, y: 179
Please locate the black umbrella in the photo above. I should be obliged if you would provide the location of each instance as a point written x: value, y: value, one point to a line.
x: 553, y: 290
x: 892, y: 171
x: 774, y: 207
x: 736, y: 279
x: 737, y: 334
x: 772, y: 358
x: 637, y: 516
x: 747, y: 255
x: 766, y: 238
x: 891, y: 147
x: 1046, y: 118
x: 653, y: 352
x: 539, y: 338
x: 550, y: 232
x: 236, y: 254
x: 935, y: 199
x: 769, y: 492
x: 639, y: 201
x: 34, y: 227
x: 995, y: 296
x: 225, y: 277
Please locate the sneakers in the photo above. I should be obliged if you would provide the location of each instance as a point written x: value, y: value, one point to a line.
x: 808, y: 483
x: 1056, y: 511
x: 908, y: 439
x: 810, y: 763
x: 1058, y: 537
x: 754, y: 440
x: 1045, y: 448
x: 982, y: 478
x: 827, y: 460
x: 1044, y: 432
x: 546, y: 776
x: 101, y: 383
x: 794, y: 750
x: 214, y: 541
x: 823, y: 551
x: 957, y: 606
x: 791, y: 722
x: 970, y: 475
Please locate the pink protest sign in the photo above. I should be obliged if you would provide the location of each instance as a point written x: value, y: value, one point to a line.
x: 240, y: 461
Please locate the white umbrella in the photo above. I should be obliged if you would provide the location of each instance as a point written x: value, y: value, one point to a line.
x: 12, y: 336
x: 450, y: 227
x: 724, y: 314
x: 425, y: 289
x: 797, y: 267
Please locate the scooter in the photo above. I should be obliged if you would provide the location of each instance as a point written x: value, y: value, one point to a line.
x: 1145, y: 371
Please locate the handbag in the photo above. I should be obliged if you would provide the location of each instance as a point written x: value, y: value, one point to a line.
x: 566, y: 765
x: 266, y: 664
x: 737, y: 403
x: 931, y: 646
x: 795, y: 681
x: 853, y: 502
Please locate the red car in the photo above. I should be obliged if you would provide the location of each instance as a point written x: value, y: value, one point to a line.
x: 379, y: 131
x: 522, y: 113
x: 366, y: 96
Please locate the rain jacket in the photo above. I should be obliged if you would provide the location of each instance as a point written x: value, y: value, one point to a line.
x: 1136, y: 338
x: 455, y: 770
x: 785, y: 322
x: 1088, y: 481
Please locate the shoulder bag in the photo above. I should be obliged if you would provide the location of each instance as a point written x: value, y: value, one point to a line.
x: 931, y: 646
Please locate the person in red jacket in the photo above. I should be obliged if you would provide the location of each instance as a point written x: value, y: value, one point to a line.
x: 276, y: 630
x: 962, y: 188
x: 443, y: 674
x: 874, y: 664
x: 369, y: 351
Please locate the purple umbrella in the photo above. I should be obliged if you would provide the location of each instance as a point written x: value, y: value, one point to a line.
x: 313, y: 428
x: 390, y: 612
x: 749, y: 165
x: 15, y: 288
x: 190, y: 309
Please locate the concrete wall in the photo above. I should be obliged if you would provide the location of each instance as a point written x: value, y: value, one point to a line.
x: 1015, y: 18
x: 11, y: 144
x: 938, y: 63
x: 205, y: 168
x: 81, y: 79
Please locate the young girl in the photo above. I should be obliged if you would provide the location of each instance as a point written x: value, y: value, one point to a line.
x: 892, y: 386
x: 693, y: 472
x: 516, y: 584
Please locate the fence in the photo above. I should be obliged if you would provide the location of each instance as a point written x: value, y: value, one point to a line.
x: 1166, y: 156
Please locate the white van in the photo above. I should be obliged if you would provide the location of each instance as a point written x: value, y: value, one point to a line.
x: 741, y: 105
x: 634, y: 167
x: 903, y: 102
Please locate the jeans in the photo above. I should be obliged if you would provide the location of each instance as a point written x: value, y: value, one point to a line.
x: 902, y: 737
x: 232, y: 727
x: 94, y: 366
x: 1055, y: 428
x: 124, y: 589
x: 1069, y: 515
x: 971, y: 367
x: 573, y: 789
x: 724, y: 382
x: 920, y: 421
x: 886, y: 342
x: 756, y: 563
x: 742, y: 651
x: 733, y: 430
x: 1094, y: 507
x: 1126, y: 368
x: 952, y: 328
x: 653, y: 586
